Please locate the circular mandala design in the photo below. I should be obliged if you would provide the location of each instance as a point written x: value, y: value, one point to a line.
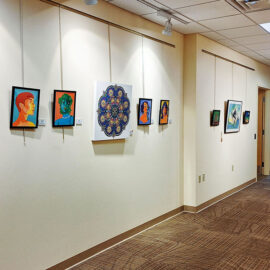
x: 113, y: 111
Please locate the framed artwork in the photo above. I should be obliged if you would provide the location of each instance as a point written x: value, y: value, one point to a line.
x: 233, y: 116
x: 64, y: 105
x: 24, y: 107
x: 111, y: 111
x: 144, y: 111
x: 164, y: 112
x: 246, y: 117
x: 215, y: 118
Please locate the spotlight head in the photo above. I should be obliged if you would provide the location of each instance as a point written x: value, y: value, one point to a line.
x: 168, y: 28
x: 90, y: 2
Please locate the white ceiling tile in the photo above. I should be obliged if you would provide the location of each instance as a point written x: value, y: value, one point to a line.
x: 227, y: 42
x: 189, y: 28
x: 209, y: 10
x: 155, y: 18
x: 135, y: 6
x: 267, y: 62
x: 252, y: 54
x: 213, y: 35
x: 265, y: 53
x: 227, y: 22
x: 260, y: 16
x: 181, y: 3
x: 161, y: 20
x: 242, y: 31
x: 253, y: 39
x: 240, y: 48
x: 259, y: 46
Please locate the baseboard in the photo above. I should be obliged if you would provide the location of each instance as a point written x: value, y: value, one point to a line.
x: 188, y: 208
x: 195, y: 209
x: 113, y: 241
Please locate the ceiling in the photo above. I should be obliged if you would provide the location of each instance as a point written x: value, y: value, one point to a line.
x: 216, y: 19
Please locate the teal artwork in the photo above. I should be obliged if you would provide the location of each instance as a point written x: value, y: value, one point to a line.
x: 233, y: 117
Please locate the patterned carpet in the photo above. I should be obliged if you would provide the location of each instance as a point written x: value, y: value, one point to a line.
x: 232, y: 234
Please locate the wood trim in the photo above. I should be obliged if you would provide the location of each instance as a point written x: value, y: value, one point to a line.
x: 98, y: 248
x: 225, y: 194
x: 228, y: 60
x: 192, y: 209
x: 54, y: 3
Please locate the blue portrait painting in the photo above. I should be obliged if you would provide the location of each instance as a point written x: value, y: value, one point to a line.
x: 144, y: 111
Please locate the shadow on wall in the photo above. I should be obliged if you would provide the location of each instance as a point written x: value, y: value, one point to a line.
x: 111, y: 147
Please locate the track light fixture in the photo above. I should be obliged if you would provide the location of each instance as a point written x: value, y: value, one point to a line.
x: 168, y: 28
x: 90, y: 2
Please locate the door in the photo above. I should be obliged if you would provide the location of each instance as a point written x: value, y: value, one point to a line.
x: 260, y: 140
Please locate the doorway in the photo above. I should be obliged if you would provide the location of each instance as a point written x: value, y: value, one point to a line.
x: 261, y: 133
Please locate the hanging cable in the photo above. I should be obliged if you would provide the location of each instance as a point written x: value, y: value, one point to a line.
x: 110, y: 52
x: 22, y: 53
x: 61, y: 61
x: 215, y: 83
x: 232, y: 81
x: 246, y: 84
x: 143, y: 86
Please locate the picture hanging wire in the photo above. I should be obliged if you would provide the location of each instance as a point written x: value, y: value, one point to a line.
x: 22, y: 54
x: 61, y: 50
x: 246, y: 84
x: 61, y: 61
x: 143, y: 83
x: 110, y: 52
x: 215, y: 82
x: 232, y: 80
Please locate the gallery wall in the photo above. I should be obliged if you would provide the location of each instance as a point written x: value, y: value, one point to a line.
x: 61, y: 194
x: 226, y: 160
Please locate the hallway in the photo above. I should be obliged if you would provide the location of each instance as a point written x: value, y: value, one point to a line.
x: 232, y: 234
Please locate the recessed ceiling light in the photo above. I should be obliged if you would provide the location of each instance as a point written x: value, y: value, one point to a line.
x: 266, y: 26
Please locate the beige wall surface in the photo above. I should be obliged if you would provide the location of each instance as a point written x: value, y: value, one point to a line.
x: 59, y: 198
x: 227, y: 160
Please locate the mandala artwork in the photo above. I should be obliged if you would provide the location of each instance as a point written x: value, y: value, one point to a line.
x: 112, y: 112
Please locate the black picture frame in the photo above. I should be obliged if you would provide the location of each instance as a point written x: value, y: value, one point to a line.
x: 17, y: 111
x: 246, y: 117
x: 164, y: 101
x: 141, y: 101
x: 226, y: 124
x: 54, y: 120
x: 213, y: 122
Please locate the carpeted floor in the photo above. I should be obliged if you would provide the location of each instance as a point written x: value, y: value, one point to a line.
x: 232, y: 234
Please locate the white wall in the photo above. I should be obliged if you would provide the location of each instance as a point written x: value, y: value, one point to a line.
x: 214, y: 157
x: 59, y: 198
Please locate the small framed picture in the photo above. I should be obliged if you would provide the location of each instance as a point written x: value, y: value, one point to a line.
x: 246, y: 117
x: 233, y: 116
x: 24, y: 107
x: 64, y: 105
x: 144, y: 111
x: 215, y: 118
x: 164, y: 112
